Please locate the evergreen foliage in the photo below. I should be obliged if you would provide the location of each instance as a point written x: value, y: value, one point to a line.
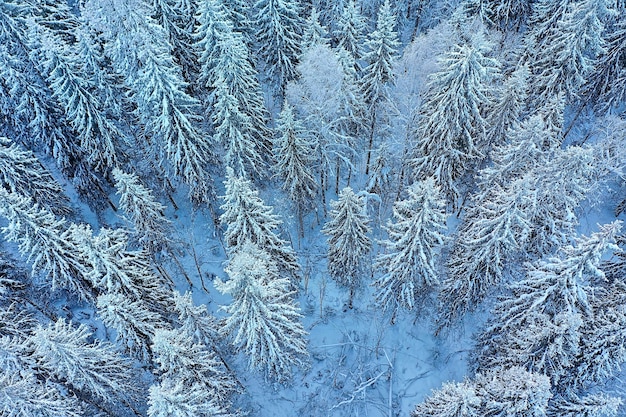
x: 415, y: 237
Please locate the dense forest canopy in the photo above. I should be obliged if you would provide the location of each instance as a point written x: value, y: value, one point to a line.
x: 312, y: 207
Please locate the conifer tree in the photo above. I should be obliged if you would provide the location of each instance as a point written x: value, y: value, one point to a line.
x: 212, y: 25
x: 409, y: 271
x: 264, y: 320
x: 46, y: 243
x: 451, y: 134
x: 568, y: 53
x: 350, y: 30
x: 492, y: 231
x: 233, y: 130
x: 348, y: 242
x: 381, y: 51
x: 113, y: 268
x: 21, y: 172
x: 97, y: 133
x: 66, y: 352
x: 278, y: 32
x: 509, y: 14
x: 539, y: 327
x: 133, y: 321
x: 314, y: 33
x: 147, y: 215
x: 293, y: 155
x: 174, y: 398
x: 248, y: 219
x: 508, y: 107
x: 179, y: 358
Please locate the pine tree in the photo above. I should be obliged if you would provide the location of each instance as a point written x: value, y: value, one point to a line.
x: 409, y: 270
x: 264, y: 320
x: 381, y: 51
x: 21, y: 172
x: 590, y: 405
x: 278, y: 32
x: 451, y: 134
x: 451, y: 400
x: 293, y: 155
x: 145, y: 213
x: 348, y: 243
x: 248, y: 219
x: 46, y: 243
x: 66, y: 352
x: 195, y: 320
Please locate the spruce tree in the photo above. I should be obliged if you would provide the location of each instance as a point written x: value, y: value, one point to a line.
x: 381, y: 51
x: 294, y: 158
x: 278, y: 32
x: 21, y: 172
x: 264, y: 320
x: 415, y: 237
x: 147, y: 215
x: 451, y: 135
x: 348, y: 242
x: 92, y: 367
x: 47, y: 244
x: 248, y: 219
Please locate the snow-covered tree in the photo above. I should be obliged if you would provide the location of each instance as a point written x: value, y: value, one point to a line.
x: 498, y: 392
x: 509, y: 14
x: 567, y: 55
x: 248, y: 219
x: 22, y: 394
x: 350, y: 30
x: 539, y: 327
x: 294, y: 158
x: 314, y: 33
x: 195, y: 320
x: 415, y: 236
x: 508, y: 107
x: 140, y: 50
x: 233, y: 131
x: 21, y: 172
x: 452, y: 129
x: 46, y: 243
x: 492, y: 231
x: 381, y: 52
x: 348, y: 240
x: 175, y: 398
x: 264, y: 319
x: 590, y: 405
x: 607, y: 83
x: 278, y: 31
x: 116, y: 269
x: 95, y: 367
x: 133, y: 321
x: 98, y: 134
x: 179, y: 358
x: 328, y: 100
x: 211, y: 28
x: 147, y: 215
